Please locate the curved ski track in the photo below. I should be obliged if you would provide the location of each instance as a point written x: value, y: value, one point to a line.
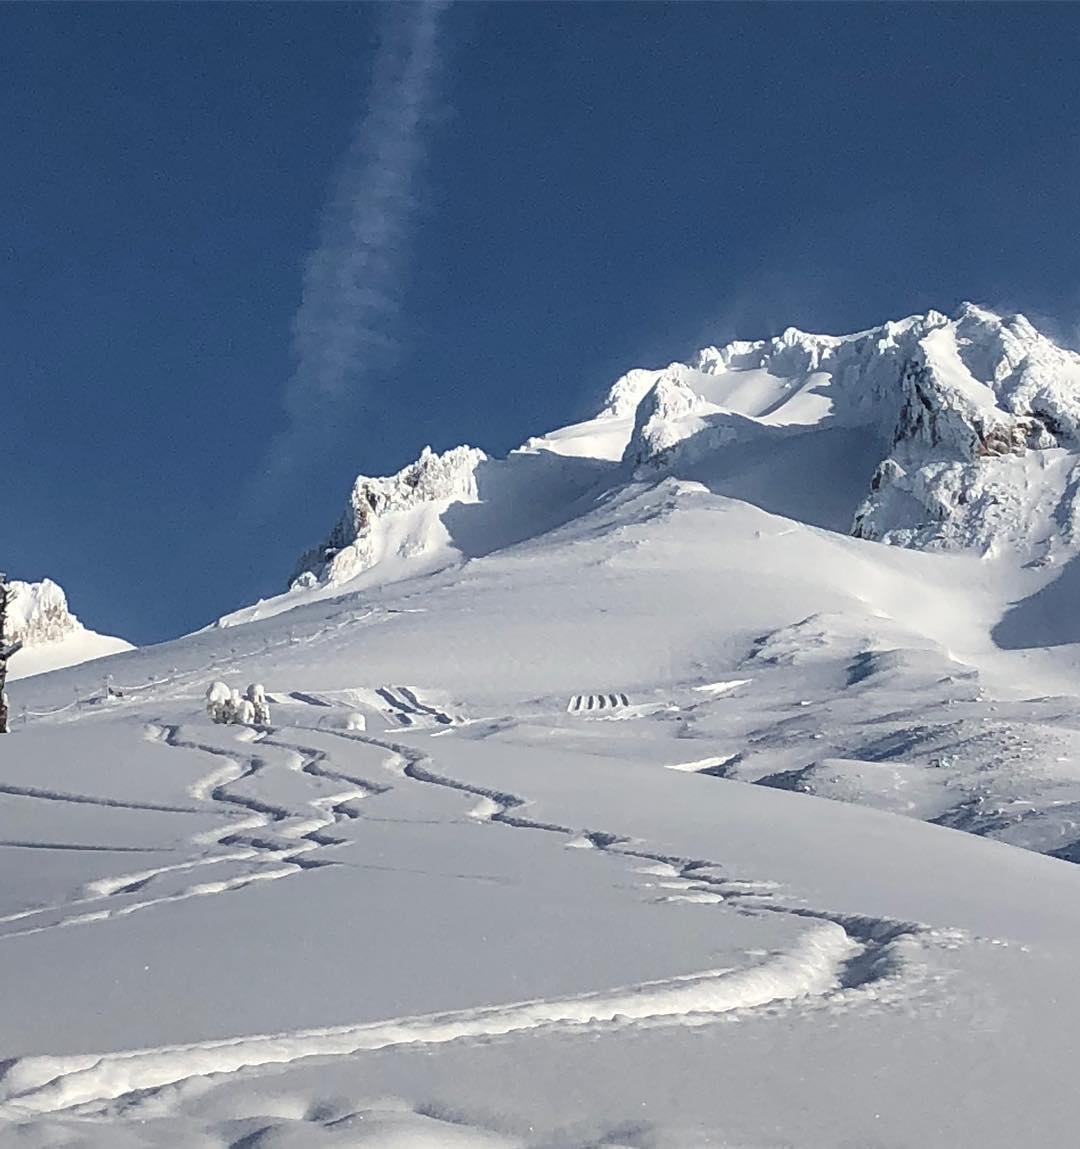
x: 837, y: 955
x: 277, y: 839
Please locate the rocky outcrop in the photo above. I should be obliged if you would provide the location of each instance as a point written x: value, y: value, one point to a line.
x: 39, y: 614
x: 983, y: 401
x: 669, y: 413
x: 365, y: 533
x: 52, y: 637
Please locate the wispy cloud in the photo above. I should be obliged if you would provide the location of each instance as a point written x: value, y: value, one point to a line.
x: 353, y: 281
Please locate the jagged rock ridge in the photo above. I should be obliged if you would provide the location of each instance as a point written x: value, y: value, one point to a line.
x: 966, y: 431
x: 357, y: 541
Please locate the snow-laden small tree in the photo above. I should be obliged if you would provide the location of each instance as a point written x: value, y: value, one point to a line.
x: 218, y: 697
x: 226, y: 705
x: 256, y: 695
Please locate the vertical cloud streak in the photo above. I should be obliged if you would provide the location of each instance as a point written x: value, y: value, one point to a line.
x: 353, y: 281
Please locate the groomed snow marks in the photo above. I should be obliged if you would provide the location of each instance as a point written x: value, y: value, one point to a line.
x: 814, y: 965
x: 408, y: 709
x: 580, y: 703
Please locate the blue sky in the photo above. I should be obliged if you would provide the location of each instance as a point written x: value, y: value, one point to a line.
x: 590, y: 187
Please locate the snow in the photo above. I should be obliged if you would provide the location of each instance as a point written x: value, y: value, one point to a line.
x: 52, y: 636
x: 395, y: 517
x: 933, y: 431
x: 611, y: 797
x: 444, y: 970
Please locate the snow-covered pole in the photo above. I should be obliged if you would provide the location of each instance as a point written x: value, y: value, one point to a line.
x: 6, y: 649
x: 4, y: 592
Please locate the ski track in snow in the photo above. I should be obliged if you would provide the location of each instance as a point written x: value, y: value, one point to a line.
x: 877, y: 939
x: 836, y: 954
x: 88, y: 800
x: 299, y: 833
x: 811, y: 967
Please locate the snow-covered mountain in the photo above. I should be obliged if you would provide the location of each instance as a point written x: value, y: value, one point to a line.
x: 549, y: 737
x: 51, y: 635
x: 939, y: 434
x: 930, y: 432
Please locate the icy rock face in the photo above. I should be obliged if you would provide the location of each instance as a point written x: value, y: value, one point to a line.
x: 986, y: 404
x: 366, y: 532
x: 38, y: 614
x: 669, y: 413
x: 964, y: 408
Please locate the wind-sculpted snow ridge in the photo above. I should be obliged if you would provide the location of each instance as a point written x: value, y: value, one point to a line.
x: 39, y: 617
x: 395, y: 516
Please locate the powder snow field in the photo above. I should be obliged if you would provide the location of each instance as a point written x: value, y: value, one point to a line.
x: 435, y: 904
x: 536, y: 849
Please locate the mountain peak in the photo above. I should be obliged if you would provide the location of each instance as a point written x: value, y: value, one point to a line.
x: 927, y: 431
x: 360, y: 538
x: 974, y: 311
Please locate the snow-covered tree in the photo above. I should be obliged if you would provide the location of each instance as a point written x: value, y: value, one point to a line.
x: 218, y: 698
x: 256, y: 695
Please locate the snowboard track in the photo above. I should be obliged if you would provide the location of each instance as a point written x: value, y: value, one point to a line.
x: 263, y: 837
x: 878, y: 940
x: 838, y: 954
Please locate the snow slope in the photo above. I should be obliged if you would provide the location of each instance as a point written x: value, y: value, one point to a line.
x: 534, y: 851
x: 456, y: 912
x: 52, y: 636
